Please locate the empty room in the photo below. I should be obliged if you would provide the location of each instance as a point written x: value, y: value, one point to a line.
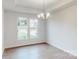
x: 39, y: 29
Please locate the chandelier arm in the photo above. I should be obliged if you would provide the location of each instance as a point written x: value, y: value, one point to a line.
x: 44, y: 7
x: 44, y: 14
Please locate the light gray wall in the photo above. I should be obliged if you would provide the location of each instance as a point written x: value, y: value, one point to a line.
x: 62, y: 29
x: 2, y: 30
x: 10, y: 30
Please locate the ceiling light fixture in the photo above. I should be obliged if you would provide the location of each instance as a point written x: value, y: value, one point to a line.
x: 44, y: 14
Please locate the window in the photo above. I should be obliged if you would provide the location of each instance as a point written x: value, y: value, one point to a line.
x: 33, y: 28
x: 27, y: 28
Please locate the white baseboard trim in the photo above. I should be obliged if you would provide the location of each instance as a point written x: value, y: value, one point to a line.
x: 74, y: 54
x: 26, y: 45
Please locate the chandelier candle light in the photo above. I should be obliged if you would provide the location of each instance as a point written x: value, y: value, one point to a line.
x: 44, y: 15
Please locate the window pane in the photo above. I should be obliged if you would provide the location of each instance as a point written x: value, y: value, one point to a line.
x: 22, y: 22
x: 33, y: 33
x: 22, y: 26
x: 22, y: 34
x: 33, y: 22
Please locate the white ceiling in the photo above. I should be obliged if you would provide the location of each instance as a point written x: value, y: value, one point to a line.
x: 33, y: 6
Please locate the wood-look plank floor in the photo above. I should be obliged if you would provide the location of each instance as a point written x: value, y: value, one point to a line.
x: 39, y: 51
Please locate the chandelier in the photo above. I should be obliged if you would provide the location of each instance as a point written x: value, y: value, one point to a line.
x: 44, y: 14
